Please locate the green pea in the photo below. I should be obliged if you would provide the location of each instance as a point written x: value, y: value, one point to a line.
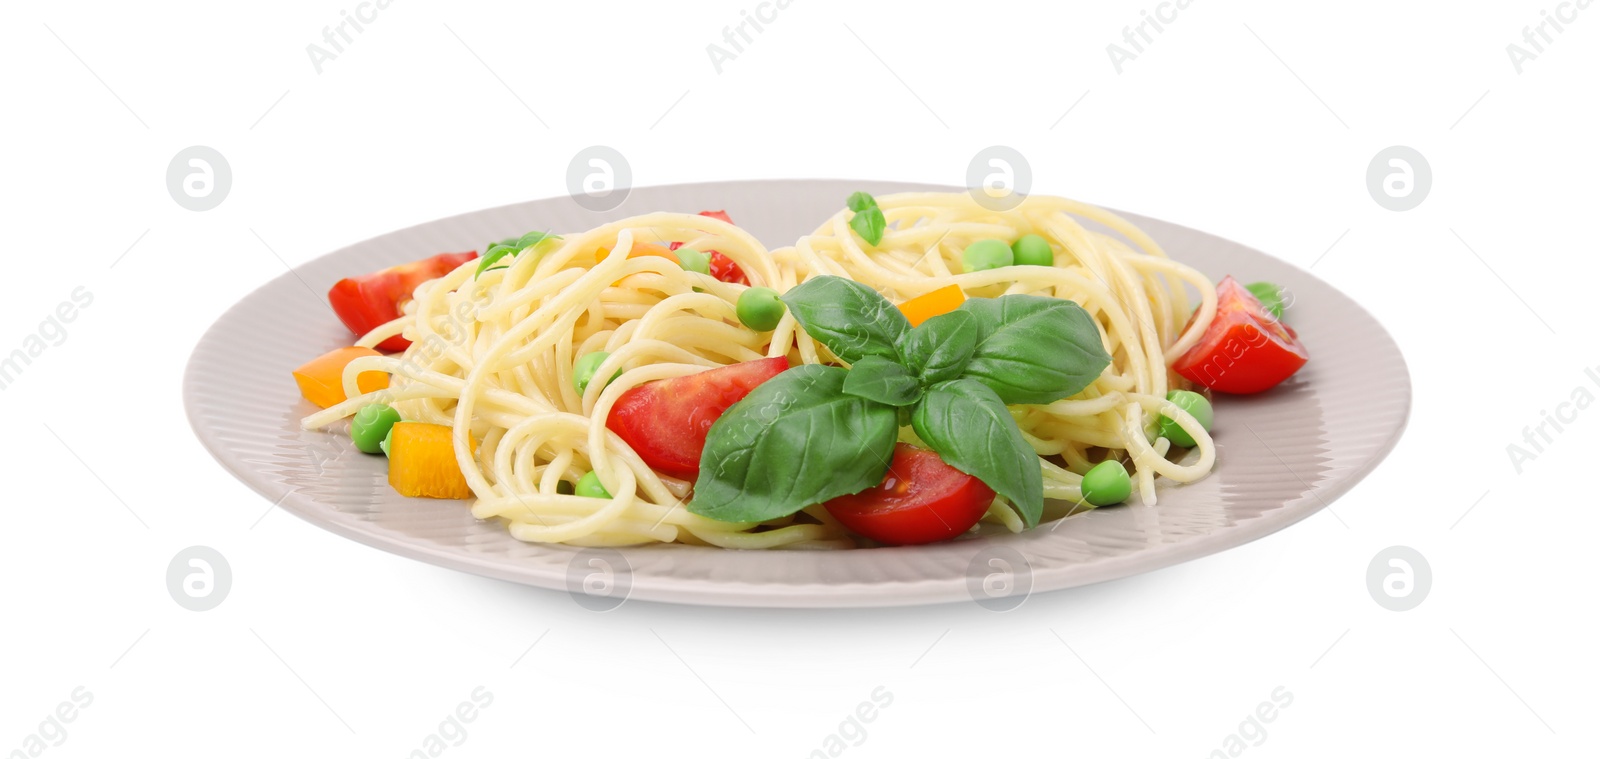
x: 693, y: 260
x: 1197, y: 406
x: 1032, y: 250
x: 583, y: 371
x: 589, y: 487
x: 371, y: 425
x: 760, y: 309
x: 986, y: 254
x: 1107, y: 483
x: 1270, y: 295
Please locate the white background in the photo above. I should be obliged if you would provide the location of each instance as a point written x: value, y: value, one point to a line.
x: 1252, y: 120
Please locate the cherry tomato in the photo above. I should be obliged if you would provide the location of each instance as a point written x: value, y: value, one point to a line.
x: 1244, y: 350
x: 722, y: 267
x: 921, y: 500
x: 666, y: 421
x: 371, y: 300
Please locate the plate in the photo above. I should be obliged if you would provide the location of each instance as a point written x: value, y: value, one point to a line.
x: 1281, y: 455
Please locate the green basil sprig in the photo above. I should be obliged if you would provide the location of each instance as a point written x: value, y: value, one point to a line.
x: 1029, y: 347
x: 879, y: 379
x: 817, y: 432
x: 853, y: 320
x: 510, y: 246
x: 941, y: 347
x: 867, y: 220
x: 971, y: 429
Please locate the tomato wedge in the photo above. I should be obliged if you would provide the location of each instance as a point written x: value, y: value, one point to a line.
x: 1244, y: 350
x: 921, y: 500
x: 666, y: 421
x: 722, y: 267
x: 369, y: 301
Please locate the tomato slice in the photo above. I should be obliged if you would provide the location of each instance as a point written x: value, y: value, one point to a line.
x: 369, y: 301
x: 1244, y: 350
x: 722, y: 267
x: 921, y: 500
x: 666, y: 421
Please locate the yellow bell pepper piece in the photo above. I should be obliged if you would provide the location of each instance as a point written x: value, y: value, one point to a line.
x: 321, y: 379
x: 422, y: 462
x: 931, y: 304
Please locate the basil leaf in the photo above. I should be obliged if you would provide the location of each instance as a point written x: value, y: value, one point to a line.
x: 510, y: 246
x: 493, y: 254
x: 1033, y: 349
x: 869, y: 223
x: 860, y: 201
x: 794, y: 441
x: 853, y: 320
x: 971, y: 429
x: 879, y: 379
x: 938, y: 349
x: 534, y: 238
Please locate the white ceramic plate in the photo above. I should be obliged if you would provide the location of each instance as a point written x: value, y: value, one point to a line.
x: 1282, y: 455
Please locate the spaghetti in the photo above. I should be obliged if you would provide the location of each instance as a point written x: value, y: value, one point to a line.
x: 492, y: 357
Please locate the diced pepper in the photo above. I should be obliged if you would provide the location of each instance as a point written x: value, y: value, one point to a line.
x: 422, y: 462
x: 931, y: 304
x: 321, y: 379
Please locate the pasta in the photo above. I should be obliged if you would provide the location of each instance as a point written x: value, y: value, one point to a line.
x: 492, y: 356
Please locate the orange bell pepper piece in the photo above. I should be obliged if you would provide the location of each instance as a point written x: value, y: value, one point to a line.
x: 321, y: 379
x: 931, y: 304
x: 422, y: 462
